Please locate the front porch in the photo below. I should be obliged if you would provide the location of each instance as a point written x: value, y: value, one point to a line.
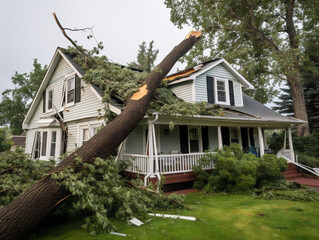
x: 153, y: 149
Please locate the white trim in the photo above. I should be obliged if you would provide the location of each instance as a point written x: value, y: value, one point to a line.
x: 217, y: 79
x: 90, y: 125
x: 180, y: 80
x: 48, y: 143
x: 193, y: 92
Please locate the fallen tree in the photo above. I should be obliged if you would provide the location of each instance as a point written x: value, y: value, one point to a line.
x: 24, y: 214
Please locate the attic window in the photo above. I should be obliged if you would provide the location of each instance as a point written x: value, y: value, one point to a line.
x: 221, y: 92
x: 70, y: 90
x: 50, y: 97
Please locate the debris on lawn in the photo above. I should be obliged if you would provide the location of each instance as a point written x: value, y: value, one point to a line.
x: 136, y: 222
x: 261, y: 214
x: 173, y: 216
x: 118, y: 234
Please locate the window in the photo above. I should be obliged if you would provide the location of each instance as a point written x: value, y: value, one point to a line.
x: 86, y: 131
x: 53, y: 144
x: 50, y: 147
x: 194, y: 139
x: 85, y: 135
x: 50, y: 97
x: 221, y: 93
x: 233, y: 135
x: 44, y: 143
x: 70, y: 90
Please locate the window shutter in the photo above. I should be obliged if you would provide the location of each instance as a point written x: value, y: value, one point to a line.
x: 205, y: 139
x: 231, y: 93
x: 44, y: 101
x: 183, y: 134
x: 210, y: 89
x: 77, y: 89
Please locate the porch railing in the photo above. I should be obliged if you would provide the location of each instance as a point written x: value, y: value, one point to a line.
x: 139, y: 163
x: 167, y: 164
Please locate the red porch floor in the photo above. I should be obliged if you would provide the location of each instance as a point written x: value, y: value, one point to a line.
x: 308, y: 181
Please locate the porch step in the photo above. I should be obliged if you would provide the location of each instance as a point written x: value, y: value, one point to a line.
x: 291, y: 172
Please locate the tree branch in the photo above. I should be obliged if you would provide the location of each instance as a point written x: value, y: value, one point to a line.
x: 86, y: 55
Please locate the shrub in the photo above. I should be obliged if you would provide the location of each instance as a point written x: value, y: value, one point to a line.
x: 238, y: 172
x: 309, y: 161
x: 308, y: 145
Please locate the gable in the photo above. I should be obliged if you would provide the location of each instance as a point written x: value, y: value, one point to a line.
x: 219, y: 71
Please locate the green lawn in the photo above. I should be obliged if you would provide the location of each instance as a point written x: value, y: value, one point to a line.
x: 223, y: 217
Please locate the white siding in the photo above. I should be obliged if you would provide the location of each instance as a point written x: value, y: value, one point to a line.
x: 134, y: 143
x: 217, y: 71
x: 72, y: 136
x: 29, y: 141
x: 183, y: 90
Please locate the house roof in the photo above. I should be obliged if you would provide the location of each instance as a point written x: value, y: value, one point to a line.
x: 192, y: 73
x: 18, y: 140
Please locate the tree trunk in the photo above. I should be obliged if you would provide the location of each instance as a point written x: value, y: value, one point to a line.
x: 299, y: 104
x: 24, y: 214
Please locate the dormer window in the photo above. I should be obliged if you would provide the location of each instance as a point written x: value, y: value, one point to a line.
x: 221, y: 91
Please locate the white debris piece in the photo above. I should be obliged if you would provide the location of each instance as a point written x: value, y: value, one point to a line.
x: 172, y: 216
x: 136, y: 222
x: 118, y: 234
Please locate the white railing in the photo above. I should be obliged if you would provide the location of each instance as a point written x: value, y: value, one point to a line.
x: 139, y: 163
x: 284, y: 153
x: 167, y: 164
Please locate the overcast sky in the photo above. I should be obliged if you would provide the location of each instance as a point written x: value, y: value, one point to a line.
x: 29, y: 31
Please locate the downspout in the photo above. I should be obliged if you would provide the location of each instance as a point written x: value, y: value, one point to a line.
x: 150, y: 148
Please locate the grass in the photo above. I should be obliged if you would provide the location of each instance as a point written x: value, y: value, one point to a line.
x: 221, y: 217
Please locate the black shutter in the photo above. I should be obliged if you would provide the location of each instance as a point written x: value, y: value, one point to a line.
x: 231, y: 93
x: 225, y: 136
x: 44, y: 100
x: 77, y: 89
x: 183, y: 134
x: 210, y: 89
x: 205, y: 139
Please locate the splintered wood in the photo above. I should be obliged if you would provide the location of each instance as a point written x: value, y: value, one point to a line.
x: 194, y: 33
x: 141, y: 93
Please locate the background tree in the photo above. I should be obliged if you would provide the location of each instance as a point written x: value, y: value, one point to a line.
x: 5, y: 141
x: 15, y: 102
x: 145, y: 58
x: 264, y: 38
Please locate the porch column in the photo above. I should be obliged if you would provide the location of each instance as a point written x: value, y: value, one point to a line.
x: 265, y: 141
x: 291, y: 148
x: 240, y: 142
x: 285, y: 139
x: 150, y: 150
x: 261, y: 142
x: 249, y: 143
x: 219, y: 135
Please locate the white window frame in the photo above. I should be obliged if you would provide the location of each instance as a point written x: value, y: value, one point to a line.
x: 67, y: 78
x: 48, y: 144
x: 87, y: 125
x: 200, y: 147
x: 47, y: 109
x: 227, y: 102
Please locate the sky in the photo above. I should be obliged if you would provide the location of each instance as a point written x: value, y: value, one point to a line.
x: 28, y: 30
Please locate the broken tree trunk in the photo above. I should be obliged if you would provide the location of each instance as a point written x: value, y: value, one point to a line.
x: 19, y: 218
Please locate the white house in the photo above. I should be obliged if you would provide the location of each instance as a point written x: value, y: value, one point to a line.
x: 152, y: 147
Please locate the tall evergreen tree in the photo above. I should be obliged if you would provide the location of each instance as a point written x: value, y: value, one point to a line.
x: 145, y: 58
x: 15, y: 102
x: 266, y: 38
